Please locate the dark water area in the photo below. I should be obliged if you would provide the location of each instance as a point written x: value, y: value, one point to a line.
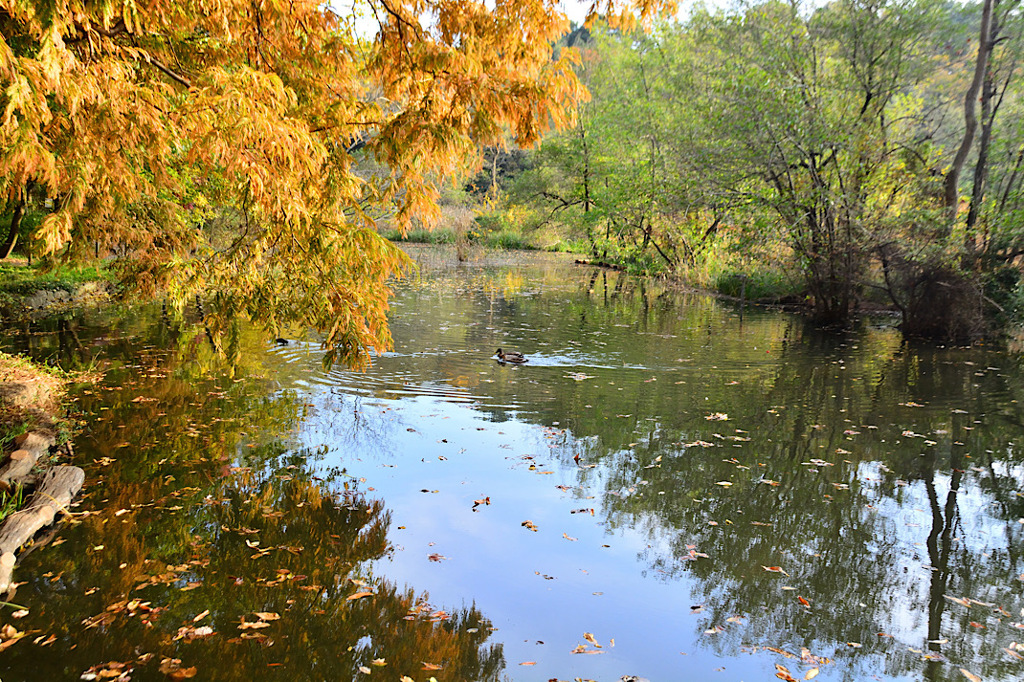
x: 671, y: 487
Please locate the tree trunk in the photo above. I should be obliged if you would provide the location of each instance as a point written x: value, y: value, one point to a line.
x: 989, y: 108
x: 951, y: 184
x: 12, y: 234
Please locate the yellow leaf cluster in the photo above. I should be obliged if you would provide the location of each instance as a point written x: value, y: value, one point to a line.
x: 242, y: 150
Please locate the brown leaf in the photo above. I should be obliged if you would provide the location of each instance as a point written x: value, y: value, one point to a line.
x: 253, y: 626
x: 358, y: 595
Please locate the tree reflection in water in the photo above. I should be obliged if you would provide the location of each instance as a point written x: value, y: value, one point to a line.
x: 205, y: 547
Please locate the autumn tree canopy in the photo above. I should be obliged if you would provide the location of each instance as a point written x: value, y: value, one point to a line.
x: 240, y: 150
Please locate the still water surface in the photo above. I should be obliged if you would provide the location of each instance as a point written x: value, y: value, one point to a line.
x: 669, y: 489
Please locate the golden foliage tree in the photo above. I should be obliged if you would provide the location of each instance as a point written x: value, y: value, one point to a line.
x: 240, y: 150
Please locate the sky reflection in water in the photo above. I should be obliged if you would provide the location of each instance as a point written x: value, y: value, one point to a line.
x: 717, y: 493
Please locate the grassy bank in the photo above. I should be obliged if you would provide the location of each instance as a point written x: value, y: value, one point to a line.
x: 29, y: 395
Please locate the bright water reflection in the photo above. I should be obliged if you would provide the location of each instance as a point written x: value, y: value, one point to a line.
x: 716, y: 493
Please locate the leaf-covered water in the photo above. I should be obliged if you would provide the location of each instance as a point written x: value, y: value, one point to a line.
x: 668, y: 488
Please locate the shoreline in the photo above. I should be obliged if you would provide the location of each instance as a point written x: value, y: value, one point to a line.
x: 32, y: 437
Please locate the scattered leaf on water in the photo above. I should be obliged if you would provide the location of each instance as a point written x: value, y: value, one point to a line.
x: 812, y: 673
x: 358, y: 595
x: 783, y: 673
x: 253, y: 626
x: 775, y: 569
x: 969, y: 675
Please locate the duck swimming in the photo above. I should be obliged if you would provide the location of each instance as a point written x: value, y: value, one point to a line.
x: 511, y: 356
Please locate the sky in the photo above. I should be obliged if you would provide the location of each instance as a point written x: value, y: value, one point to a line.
x: 575, y: 10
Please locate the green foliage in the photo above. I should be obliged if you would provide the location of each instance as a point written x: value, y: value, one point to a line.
x: 757, y: 284
x: 11, y: 501
x: 508, y: 239
x: 1004, y: 290
x: 816, y: 134
x: 20, y: 280
x: 421, y: 235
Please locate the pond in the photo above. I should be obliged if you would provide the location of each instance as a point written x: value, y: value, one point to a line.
x: 672, y: 487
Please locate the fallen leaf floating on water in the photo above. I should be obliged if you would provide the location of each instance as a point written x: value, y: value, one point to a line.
x: 436, y: 557
x: 969, y: 675
x: 358, y: 595
x: 568, y: 537
x: 529, y: 524
x: 265, y: 615
x: 582, y: 649
x: 717, y: 417
x: 253, y: 626
x: 724, y: 484
x: 590, y: 638
x: 431, y: 666
x: 775, y: 569
x: 528, y: 663
x: 812, y: 673
x: 803, y: 601
x: 364, y: 670
x: 783, y: 673
x: 477, y: 503
x: 171, y: 667
x: 1009, y: 652
x: 9, y: 634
